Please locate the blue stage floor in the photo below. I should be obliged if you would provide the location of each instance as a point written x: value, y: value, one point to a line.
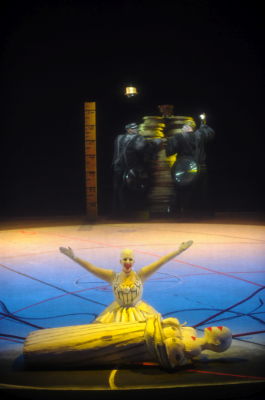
x: 220, y: 280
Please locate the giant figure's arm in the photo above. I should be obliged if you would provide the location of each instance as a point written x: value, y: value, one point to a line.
x: 102, y: 273
x: 148, y: 270
x: 116, y: 152
x: 207, y: 132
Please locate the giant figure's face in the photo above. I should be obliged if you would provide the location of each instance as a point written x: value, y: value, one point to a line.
x: 127, y: 260
x: 187, y: 128
x: 132, y: 131
x: 217, y: 338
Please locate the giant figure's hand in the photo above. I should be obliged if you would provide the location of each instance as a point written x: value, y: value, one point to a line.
x: 67, y: 251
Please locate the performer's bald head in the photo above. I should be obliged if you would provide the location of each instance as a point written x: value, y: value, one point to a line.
x: 127, y: 253
x: 127, y: 260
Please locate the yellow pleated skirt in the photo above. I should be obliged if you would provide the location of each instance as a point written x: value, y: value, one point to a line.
x: 117, y: 313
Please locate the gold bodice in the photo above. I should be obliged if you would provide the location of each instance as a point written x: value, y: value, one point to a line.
x: 127, y: 290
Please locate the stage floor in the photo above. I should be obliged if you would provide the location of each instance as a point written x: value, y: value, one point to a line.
x: 220, y: 280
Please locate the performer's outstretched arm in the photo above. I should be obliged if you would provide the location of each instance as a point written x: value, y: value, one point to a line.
x: 148, y: 270
x: 102, y: 273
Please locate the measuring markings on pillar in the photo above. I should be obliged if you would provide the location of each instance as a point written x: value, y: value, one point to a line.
x: 91, y: 159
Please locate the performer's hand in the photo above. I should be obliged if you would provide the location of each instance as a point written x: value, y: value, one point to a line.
x: 185, y: 245
x: 67, y: 251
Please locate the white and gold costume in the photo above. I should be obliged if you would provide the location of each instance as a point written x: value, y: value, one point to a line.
x: 128, y: 306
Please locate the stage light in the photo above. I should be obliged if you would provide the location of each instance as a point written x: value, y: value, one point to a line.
x: 130, y: 91
x: 203, y: 118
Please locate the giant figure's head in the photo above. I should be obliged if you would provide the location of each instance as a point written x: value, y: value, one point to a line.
x: 188, y: 126
x: 132, y: 128
x: 217, y: 338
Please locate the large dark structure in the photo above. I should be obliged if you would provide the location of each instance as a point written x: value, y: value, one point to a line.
x: 131, y: 165
x: 151, y: 173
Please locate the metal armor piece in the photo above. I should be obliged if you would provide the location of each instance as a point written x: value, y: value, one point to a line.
x: 136, y: 180
x: 184, y: 171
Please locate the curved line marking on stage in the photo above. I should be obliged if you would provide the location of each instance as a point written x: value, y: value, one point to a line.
x: 51, y: 285
x: 54, y: 297
x: 112, y: 379
x: 157, y: 255
x: 229, y: 308
x: 44, y: 301
x: 205, y: 269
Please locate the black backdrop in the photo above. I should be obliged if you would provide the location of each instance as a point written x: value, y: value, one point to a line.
x: 197, y: 55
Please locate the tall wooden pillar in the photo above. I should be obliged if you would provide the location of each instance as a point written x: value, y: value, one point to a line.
x: 91, y: 160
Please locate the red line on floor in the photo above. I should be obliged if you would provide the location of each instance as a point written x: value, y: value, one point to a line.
x: 206, y: 269
x: 229, y: 272
x: 219, y: 273
x: 157, y: 255
x: 228, y: 236
x: 247, y: 333
x: 189, y: 232
x: 10, y: 340
x: 52, y: 298
x: 225, y: 374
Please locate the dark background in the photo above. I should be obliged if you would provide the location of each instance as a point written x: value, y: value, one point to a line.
x: 201, y: 56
